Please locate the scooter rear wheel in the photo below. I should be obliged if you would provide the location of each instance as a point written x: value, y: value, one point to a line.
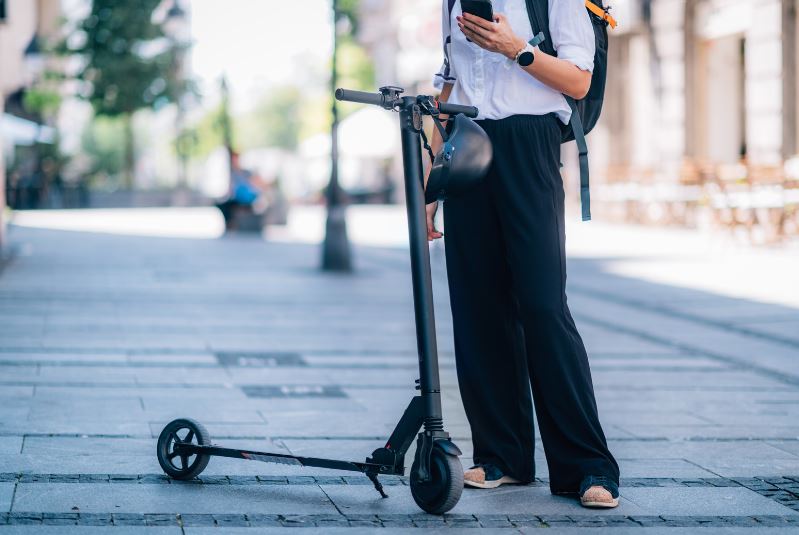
x: 183, y: 431
x: 444, y: 489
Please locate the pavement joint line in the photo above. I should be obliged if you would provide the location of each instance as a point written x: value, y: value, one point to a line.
x: 177, y: 386
x: 666, y: 311
x: 788, y: 483
x: 316, y: 366
x: 361, y: 386
x: 171, y: 351
x: 741, y: 364
x: 381, y: 437
x: 419, y: 520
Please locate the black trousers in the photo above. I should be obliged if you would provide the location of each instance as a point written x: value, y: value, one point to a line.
x: 506, y: 266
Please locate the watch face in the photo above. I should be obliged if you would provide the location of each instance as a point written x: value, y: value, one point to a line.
x: 526, y: 58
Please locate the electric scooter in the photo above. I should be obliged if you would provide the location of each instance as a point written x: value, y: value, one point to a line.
x: 436, y: 478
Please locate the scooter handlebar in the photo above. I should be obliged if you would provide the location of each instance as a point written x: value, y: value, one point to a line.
x: 361, y: 97
x: 379, y: 99
x: 453, y: 109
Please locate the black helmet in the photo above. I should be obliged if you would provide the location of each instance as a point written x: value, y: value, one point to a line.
x: 462, y: 161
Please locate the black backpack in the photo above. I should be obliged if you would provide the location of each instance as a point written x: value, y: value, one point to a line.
x: 586, y: 111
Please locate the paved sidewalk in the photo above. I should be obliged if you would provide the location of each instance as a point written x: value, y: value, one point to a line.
x: 106, y: 337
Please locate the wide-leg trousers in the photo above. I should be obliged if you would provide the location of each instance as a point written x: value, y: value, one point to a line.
x: 514, y: 334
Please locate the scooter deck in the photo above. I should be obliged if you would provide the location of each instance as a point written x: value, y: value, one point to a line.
x: 282, y: 458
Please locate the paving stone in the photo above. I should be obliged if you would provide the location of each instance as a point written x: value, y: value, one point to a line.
x: 60, y: 519
x: 95, y: 519
x: 34, y: 478
x: 24, y: 518
x: 9, y: 445
x: 6, y: 493
x: 654, y: 468
x: 162, y: 519
x: 262, y: 520
x: 169, y: 499
x: 297, y: 521
x: 191, y: 520
x: 88, y: 530
x: 508, y: 500
x: 229, y: 520
x: 129, y: 519
x: 703, y: 502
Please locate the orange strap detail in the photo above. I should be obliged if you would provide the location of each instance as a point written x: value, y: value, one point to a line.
x: 601, y: 13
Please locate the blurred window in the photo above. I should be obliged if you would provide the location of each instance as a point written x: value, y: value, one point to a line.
x: 2, y: 10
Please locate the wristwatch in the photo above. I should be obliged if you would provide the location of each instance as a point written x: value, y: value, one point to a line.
x: 526, y: 55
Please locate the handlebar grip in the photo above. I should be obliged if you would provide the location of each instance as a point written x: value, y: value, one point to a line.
x: 362, y: 97
x: 452, y: 109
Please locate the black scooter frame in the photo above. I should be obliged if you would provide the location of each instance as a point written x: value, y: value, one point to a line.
x: 423, y: 411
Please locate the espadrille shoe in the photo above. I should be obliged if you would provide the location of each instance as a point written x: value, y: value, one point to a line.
x: 599, y: 492
x: 486, y: 476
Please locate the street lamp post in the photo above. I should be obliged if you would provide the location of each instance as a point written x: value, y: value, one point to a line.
x: 225, y: 126
x: 336, y: 254
x: 176, y: 21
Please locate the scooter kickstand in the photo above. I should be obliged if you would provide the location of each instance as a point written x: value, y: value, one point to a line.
x: 377, y: 484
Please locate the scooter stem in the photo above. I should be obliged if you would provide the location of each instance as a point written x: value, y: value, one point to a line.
x: 430, y: 384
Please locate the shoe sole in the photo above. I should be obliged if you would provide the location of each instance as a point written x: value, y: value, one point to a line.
x: 504, y: 480
x: 601, y: 505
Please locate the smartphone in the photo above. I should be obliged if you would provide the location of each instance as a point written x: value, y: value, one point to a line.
x: 480, y: 8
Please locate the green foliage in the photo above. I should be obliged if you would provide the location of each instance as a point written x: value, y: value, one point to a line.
x: 355, y: 68
x: 275, y: 121
x: 206, y: 134
x: 42, y: 101
x: 349, y: 9
x: 104, y: 142
x: 129, y: 60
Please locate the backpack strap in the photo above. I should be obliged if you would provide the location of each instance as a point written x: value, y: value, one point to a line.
x: 538, y: 12
x: 582, y: 148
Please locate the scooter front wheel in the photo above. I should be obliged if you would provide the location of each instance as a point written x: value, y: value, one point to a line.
x: 444, y: 489
x: 182, y: 431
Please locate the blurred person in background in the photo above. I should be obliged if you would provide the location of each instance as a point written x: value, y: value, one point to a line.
x: 505, y: 251
x: 245, y: 190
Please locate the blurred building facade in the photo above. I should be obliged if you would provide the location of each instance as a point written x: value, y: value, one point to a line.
x: 700, y: 124
x: 700, y: 121
x: 24, y: 24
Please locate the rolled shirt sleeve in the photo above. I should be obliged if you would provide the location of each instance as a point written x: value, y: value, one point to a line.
x: 572, y: 32
x: 445, y: 75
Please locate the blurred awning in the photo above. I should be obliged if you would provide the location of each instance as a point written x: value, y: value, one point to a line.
x: 368, y: 133
x: 17, y: 131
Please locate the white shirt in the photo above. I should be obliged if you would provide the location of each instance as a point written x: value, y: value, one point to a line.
x: 499, y: 87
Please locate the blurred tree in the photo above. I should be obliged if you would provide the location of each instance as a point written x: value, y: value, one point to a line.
x: 128, y: 64
x: 348, y: 9
x: 103, y: 141
x: 206, y: 134
x: 275, y: 121
x: 355, y: 71
x: 42, y: 101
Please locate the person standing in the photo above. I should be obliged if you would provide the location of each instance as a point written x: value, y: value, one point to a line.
x: 505, y: 252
